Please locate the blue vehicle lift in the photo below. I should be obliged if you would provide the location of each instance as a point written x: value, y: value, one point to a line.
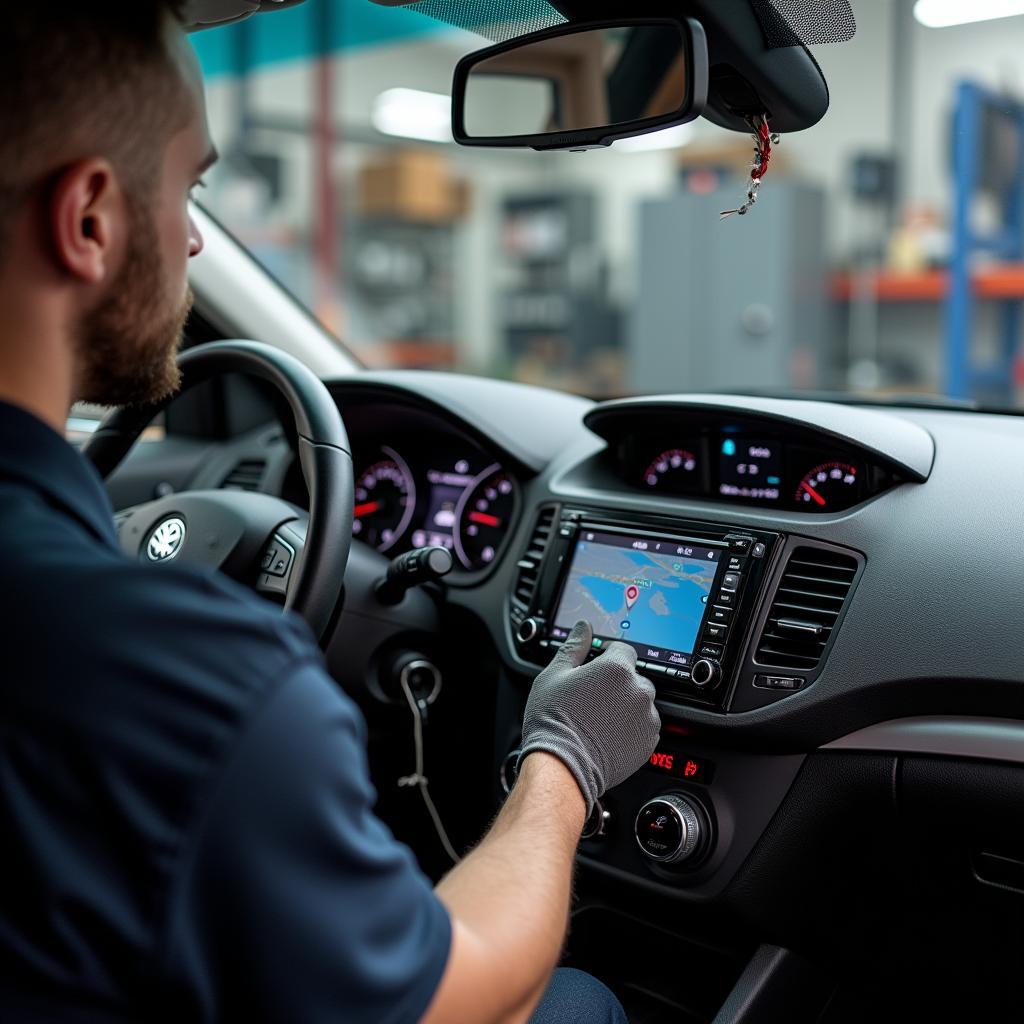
x: 963, y: 380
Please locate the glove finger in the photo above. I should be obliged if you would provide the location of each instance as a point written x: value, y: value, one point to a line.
x: 620, y: 653
x: 574, y: 651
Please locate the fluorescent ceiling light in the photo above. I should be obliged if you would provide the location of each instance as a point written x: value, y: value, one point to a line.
x: 414, y: 114
x: 943, y: 13
x: 668, y: 138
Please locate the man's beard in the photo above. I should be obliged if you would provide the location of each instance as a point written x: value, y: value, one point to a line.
x: 128, y: 345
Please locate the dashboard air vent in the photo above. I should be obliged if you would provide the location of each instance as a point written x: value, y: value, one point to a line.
x: 246, y: 476
x: 528, y: 567
x: 806, y: 608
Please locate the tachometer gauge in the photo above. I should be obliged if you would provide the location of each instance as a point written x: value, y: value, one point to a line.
x: 830, y: 484
x: 484, y: 515
x: 674, y: 470
x: 385, y: 501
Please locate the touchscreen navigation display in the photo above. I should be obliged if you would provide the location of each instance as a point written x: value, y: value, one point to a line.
x: 650, y: 593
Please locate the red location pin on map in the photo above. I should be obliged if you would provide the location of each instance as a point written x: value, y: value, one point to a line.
x: 632, y: 593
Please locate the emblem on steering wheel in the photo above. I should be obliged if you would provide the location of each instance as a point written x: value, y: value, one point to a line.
x: 166, y: 540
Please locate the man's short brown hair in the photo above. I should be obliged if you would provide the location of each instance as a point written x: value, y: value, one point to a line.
x: 85, y: 78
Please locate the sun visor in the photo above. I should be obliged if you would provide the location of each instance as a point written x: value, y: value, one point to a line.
x: 200, y: 14
x: 757, y: 49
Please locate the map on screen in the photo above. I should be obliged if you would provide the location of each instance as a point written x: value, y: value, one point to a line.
x: 653, y: 598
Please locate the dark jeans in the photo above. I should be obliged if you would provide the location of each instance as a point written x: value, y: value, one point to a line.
x: 574, y: 997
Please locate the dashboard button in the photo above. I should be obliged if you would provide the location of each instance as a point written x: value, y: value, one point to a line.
x: 735, y: 563
x: 720, y: 614
x: 655, y: 670
x: 716, y: 631
x: 758, y: 550
x: 779, y: 682
x: 707, y: 650
x: 731, y: 581
x: 725, y: 599
x: 741, y: 544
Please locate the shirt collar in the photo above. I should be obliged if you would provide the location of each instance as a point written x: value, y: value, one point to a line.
x: 32, y: 452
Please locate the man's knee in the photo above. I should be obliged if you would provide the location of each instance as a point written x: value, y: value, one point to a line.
x: 574, y: 997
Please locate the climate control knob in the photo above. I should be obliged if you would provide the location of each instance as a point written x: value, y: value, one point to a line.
x: 705, y: 673
x: 670, y: 829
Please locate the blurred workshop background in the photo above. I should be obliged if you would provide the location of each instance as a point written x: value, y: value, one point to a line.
x: 885, y: 254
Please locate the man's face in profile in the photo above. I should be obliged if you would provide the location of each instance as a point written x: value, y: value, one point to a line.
x: 128, y: 343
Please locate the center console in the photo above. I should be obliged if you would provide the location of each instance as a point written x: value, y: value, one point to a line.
x: 722, y: 618
x: 681, y: 594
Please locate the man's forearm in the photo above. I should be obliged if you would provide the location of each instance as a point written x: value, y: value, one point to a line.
x: 509, y: 899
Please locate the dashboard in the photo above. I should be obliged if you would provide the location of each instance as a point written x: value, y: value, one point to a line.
x: 824, y: 596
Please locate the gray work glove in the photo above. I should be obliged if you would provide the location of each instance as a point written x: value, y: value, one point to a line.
x: 598, y: 718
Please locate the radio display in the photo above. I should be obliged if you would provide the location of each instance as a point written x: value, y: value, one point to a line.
x: 651, y: 593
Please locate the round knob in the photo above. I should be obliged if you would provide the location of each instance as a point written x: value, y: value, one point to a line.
x: 669, y: 829
x: 705, y: 673
x: 597, y: 824
x: 528, y: 630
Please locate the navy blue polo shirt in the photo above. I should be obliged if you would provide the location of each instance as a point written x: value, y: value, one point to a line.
x: 186, y: 817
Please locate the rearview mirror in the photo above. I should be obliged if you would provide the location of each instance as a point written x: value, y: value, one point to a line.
x: 580, y: 86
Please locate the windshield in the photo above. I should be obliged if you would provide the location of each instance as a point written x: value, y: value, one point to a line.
x: 884, y: 256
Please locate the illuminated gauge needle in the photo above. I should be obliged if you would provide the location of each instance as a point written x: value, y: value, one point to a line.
x: 813, y: 493
x: 484, y: 519
x: 366, y: 508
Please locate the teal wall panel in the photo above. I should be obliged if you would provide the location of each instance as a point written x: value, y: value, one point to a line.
x: 291, y: 34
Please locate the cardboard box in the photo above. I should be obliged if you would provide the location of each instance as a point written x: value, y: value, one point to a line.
x: 411, y: 184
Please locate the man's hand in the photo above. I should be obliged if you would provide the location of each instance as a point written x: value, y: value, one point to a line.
x: 598, y: 718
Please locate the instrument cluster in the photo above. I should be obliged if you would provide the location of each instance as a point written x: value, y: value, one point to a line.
x: 749, y: 469
x: 419, y: 482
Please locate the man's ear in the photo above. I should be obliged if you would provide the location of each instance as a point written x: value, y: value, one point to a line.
x: 87, y: 216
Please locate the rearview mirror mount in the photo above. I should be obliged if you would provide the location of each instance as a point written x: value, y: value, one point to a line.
x: 582, y: 85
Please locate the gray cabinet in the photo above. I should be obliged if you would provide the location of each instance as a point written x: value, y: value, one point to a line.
x: 739, y: 303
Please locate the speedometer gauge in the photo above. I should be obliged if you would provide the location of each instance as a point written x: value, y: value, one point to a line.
x: 484, y: 516
x: 672, y: 470
x: 385, y: 501
x: 830, y: 484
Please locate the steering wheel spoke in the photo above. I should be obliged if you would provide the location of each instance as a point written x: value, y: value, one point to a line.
x: 256, y: 538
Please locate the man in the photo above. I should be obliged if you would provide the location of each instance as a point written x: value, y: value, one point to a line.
x: 184, y: 802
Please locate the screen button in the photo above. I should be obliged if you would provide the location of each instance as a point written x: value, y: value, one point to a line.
x: 725, y: 599
x: 711, y: 650
x: 720, y: 614
x: 731, y: 581
x: 758, y: 550
x: 716, y: 631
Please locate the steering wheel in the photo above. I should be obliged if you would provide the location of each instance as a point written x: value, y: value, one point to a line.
x: 256, y: 538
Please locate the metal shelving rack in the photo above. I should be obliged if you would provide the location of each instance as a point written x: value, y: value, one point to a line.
x: 977, y: 111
